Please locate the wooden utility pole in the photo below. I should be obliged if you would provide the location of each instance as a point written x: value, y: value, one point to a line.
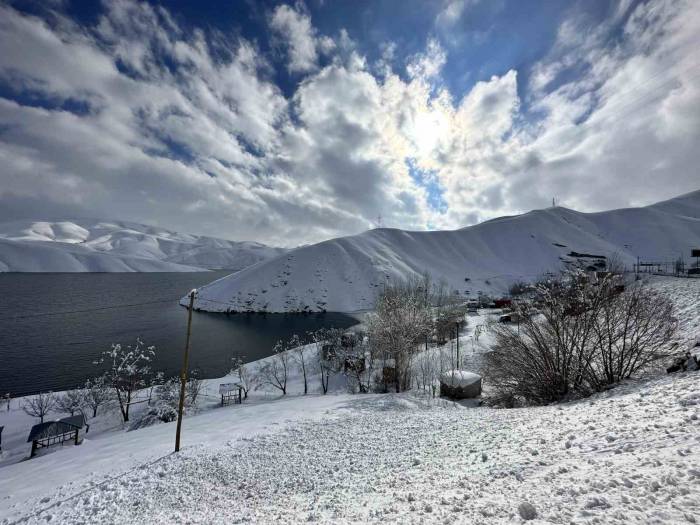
x: 457, y: 333
x: 183, y: 374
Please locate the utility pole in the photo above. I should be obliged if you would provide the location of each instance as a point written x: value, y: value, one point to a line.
x: 183, y: 373
x: 458, y: 363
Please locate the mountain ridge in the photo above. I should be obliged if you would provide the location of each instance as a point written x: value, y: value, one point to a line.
x: 343, y: 274
x: 94, y: 245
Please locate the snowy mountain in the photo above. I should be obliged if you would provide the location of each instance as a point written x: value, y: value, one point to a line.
x: 344, y: 274
x: 114, y: 246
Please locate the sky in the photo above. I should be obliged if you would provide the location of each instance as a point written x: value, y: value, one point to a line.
x: 292, y: 123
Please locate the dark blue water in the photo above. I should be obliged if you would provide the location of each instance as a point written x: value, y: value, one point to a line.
x: 44, y: 348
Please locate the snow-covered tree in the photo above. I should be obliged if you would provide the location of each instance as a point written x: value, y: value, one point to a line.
x: 355, y: 356
x: 70, y: 402
x: 128, y: 368
x: 163, y: 406
x: 40, y: 405
x: 193, y: 388
x: 401, y: 322
x: 96, y: 393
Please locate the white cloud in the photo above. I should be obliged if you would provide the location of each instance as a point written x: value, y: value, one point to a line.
x: 428, y: 64
x: 452, y: 11
x: 211, y: 145
x: 619, y: 134
x: 294, y: 26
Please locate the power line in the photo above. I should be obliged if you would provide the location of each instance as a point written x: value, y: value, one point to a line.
x: 86, y: 310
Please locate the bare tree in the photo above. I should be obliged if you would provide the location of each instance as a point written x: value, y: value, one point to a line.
x: 327, y: 344
x: 128, y: 368
x: 632, y: 331
x: 40, y: 405
x: 70, y: 402
x: 154, y: 380
x: 355, y: 357
x: 426, y: 369
x: 298, y: 351
x: 275, y: 372
x: 246, y: 378
x: 96, y: 394
x: 586, y: 336
x: 545, y: 358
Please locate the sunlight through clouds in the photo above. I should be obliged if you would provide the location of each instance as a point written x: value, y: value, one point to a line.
x: 157, y: 121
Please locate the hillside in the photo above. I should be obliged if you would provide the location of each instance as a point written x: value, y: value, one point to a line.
x: 625, y: 455
x: 114, y: 246
x: 343, y: 274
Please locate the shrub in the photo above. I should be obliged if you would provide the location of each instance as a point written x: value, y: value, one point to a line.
x: 586, y: 336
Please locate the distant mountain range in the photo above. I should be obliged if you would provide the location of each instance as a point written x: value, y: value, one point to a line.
x: 87, y: 245
x: 344, y: 274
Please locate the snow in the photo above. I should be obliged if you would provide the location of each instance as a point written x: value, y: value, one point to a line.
x: 628, y: 455
x: 460, y: 378
x: 376, y: 458
x: 344, y: 274
x: 115, y: 246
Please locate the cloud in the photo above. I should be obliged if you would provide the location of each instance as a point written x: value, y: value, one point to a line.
x: 618, y: 133
x: 293, y: 25
x: 452, y: 11
x: 428, y: 64
x: 138, y: 118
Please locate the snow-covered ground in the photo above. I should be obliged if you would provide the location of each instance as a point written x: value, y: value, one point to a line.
x: 115, y: 246
x: 344, y: 274
x: 630, y: 455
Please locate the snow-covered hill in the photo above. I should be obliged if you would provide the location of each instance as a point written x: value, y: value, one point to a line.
x: 114, y: 246
x: 344, y: 274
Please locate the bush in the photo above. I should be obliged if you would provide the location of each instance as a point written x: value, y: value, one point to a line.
x: 586, y: 336
x: 518, y: 288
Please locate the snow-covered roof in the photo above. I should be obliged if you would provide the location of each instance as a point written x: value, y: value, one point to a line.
x: 55, y: 428
x: 460, y: 378
x: 225, y: 388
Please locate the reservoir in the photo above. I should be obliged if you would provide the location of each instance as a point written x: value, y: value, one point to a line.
x: 53, y: 326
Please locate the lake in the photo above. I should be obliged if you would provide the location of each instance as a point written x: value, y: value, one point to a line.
x: 53, y: 326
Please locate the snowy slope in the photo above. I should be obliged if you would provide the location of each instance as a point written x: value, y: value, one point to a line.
x: 628, y: 455
x: 114, y: 246
x: 343, y: 274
